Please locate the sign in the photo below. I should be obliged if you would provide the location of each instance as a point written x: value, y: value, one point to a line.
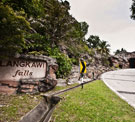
x: 82, y: 67
x: 17, y: 69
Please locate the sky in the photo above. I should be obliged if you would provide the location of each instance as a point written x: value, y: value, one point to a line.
x: 108, y: 19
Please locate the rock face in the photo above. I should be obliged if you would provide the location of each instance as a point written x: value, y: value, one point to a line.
x: 32, y: 85
x: 62, y: 82
x: 93, y: 72
x: 100, y: 64
x: 123, y: 60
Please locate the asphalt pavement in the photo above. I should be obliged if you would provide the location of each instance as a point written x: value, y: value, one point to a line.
x: 122, y: 82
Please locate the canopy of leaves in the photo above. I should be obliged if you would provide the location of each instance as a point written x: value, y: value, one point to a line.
x: 12, y: 29
x: 30, y: 7
x: 122, y: 50
x: 40, y: 27
x: 133, y: 9
x: 100, y: 45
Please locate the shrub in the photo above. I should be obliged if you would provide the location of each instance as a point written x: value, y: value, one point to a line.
x: 63, y: 61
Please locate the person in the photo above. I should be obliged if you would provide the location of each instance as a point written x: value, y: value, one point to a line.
x: 81, y: 76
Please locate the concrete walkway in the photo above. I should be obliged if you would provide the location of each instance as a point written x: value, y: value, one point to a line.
x: 122, y: 82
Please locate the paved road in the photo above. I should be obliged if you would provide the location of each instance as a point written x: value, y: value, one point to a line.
x: 122, y: 82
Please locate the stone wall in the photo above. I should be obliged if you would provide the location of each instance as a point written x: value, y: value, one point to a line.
x: 27, y: 74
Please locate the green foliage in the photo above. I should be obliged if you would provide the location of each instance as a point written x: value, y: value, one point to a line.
x: 57, y: 21
x: 36, y: 43
x: 75, y: 61
x: 40, y: 26
x: 133, y: 9
x: 30, y: 7
x: 116, y: 66
x: 93, y: 41
x: 63, y: 61
x: 100, y: 45
x: 84, y: 28
x: 12, y: 30
x: 74, y: 52
x: 104, y: 48
x: 65, y: 65
x: 105, y: 61
x: 122, y: 50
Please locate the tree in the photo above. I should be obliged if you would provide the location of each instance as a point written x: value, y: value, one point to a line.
x: 101, y: 46
x: 55, y: 21
x: 49, y: 24
x: 118, y: 51
x: 104, y: 48
x: 39, y: 27
x: 84, y: 28
x: 31, y: 8
x: 93, y: 41
x: 12, y: 30
x: 133, y: 9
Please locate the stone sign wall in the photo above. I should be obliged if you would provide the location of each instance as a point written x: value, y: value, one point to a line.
x: 17, y: 69
x: 27, y: 74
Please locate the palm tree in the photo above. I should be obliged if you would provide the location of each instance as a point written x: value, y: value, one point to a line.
x: 103, y: 48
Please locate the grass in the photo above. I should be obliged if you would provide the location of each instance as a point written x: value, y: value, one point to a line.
x: 95, y: 103
x: 59, y: 88
x: 13, y: 107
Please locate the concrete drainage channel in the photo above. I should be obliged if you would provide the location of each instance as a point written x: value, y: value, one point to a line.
x: 43, y: 111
